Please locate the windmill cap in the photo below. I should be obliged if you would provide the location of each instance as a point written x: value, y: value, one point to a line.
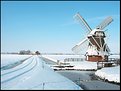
x: 93, y: 31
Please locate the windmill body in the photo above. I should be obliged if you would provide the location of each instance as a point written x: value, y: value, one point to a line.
x: 97, y: 47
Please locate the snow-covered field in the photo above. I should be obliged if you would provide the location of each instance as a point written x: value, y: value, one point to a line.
x: 7, y: 59
x: 61, y: 57
x: 109, y: 73
x: 33, y: 73
x: 84, y: 65
x: 80, y: 65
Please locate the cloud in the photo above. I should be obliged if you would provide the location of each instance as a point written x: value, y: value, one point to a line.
x: 102, y: 18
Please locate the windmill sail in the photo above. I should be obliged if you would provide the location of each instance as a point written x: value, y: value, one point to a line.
x: 81, y: 46
x: 105, y: 23
x: 83, y: 22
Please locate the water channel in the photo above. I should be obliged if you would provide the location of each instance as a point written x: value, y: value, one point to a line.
x: 87, y: 80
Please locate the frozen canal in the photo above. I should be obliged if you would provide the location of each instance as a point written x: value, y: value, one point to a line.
x: 88, y: 81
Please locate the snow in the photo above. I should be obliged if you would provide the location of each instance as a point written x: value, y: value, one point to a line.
x: 109, y: 73
x: 61, y: 57
x: 50, y: 58
x: 114, y: 56
x: 84, y: 65
x: 34, y: 73
x: 9, y: 58
x: 80, y: 65
x: 92, y: 50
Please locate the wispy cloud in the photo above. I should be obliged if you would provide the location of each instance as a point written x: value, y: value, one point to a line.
x: 94, y: 21
x: 90, y: 20
x: 102, y: 18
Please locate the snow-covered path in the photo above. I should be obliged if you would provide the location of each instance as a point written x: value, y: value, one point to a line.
x: 34, y: 74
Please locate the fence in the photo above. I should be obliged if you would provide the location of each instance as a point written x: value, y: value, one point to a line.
x: 73, y: 59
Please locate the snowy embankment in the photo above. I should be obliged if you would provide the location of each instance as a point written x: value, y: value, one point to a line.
x: 49, y: 58
x: 77, y: 65
x: 33, y: 73
x: 9, y: 58
x: 111, y: 74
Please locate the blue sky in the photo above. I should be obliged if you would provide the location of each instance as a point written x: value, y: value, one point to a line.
x: 49, y: 26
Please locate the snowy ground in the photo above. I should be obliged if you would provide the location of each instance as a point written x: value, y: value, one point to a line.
x: 114, y: 56
x: 33, y: 74
x: 60, y: 57
x: 80, y: 65
x: 9, y: 59
x: 111, y: 74
x: 85, y: 65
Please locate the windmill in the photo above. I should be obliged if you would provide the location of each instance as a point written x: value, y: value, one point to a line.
x: 97, y: 48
